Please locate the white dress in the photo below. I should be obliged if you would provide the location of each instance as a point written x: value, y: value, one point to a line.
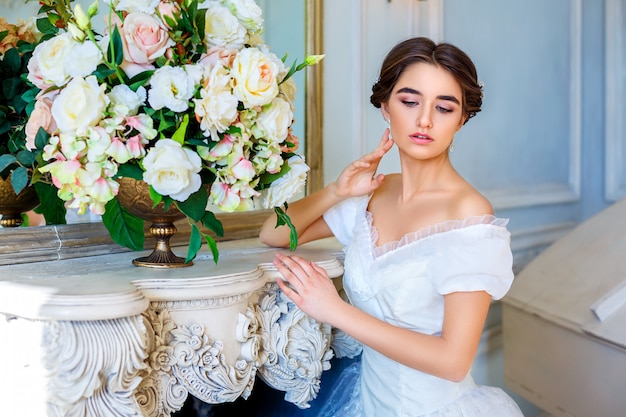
x: 404, y: 283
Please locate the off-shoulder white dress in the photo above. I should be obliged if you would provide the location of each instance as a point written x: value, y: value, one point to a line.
x: 404, y: 284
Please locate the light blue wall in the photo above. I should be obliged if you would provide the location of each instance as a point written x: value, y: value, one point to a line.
x: 539, y: 147
x: 285, y: 35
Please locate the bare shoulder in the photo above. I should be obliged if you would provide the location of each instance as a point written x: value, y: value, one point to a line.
x: 470, y: 202
x: 387, y: 188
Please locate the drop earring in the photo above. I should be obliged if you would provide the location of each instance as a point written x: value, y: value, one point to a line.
x: 389, y: 124
x: 451, y: 147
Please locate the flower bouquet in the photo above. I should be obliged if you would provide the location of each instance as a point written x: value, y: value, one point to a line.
x: 182, y: 95
x: 18, y: 161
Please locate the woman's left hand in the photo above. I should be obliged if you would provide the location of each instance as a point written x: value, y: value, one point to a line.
x: 308, y: 286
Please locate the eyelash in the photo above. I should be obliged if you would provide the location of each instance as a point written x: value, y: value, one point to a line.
x: 410, y: 103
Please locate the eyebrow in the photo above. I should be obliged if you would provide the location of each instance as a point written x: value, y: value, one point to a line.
x: 442, y: 97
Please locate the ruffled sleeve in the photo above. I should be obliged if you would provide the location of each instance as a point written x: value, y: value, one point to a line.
x: 476, y: 258
x: 342, y: 218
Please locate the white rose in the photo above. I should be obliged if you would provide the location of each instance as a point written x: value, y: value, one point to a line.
x: 83, y: 59
x: 274, y: 121
x: 145, y: 6
x: 254, y: 75
x: 51, y: 57
x: 126, y: 102
x: 222, y: 28
x: 172, y: 170
x: 170, y: 87
x: 248, y: 12
x: 80, y: 105
x: 287, y: 186
x: 282, y: 68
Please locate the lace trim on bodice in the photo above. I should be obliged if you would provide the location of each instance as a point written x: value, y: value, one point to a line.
x: 433, y: 229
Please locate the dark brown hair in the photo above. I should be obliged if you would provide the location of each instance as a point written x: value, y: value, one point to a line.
x: 443, y: 55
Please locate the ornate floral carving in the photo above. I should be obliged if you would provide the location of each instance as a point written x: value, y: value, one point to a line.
x: 184, y: 360
x: 345, y: 346
x: 295, y: 348
x: 94, y: 366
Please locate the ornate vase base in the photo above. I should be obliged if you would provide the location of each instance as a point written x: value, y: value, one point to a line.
x: 157, y: 262
x: 162, y: 255
x: 11, y: 220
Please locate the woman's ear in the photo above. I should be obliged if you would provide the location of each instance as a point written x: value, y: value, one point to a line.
x: 384, y: 109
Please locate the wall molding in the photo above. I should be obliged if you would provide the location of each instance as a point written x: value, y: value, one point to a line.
x: 615, y: 92
x: 426, y: 19
x: 557, y: 193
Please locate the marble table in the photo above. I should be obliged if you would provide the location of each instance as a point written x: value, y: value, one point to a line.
x: 97, y: 336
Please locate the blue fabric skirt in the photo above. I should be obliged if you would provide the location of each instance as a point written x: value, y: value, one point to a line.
x: 481, y: 401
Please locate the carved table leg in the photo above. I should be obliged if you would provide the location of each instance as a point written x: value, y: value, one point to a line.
x: 79, y: 368
x: 295, y: 348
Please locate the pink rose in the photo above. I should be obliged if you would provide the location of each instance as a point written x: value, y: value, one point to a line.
x: 41, y: 116
x: 218, y: 54
x: 145, y: 38
x: 169, y: 10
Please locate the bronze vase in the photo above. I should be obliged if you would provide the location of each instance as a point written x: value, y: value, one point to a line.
x: 13, y: 205
x: 134, y: 196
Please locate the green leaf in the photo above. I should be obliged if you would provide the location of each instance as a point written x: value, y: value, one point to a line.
x: 212, y: 223
x: 195, y: 243
x: 19, y: 179
x: 6, y: 160
x: 11, y: 62
x: 155, y: 197
x: 11, y: 87
x: 103, y: 72
x: 130, y: 171
x: 267, y: 178
x: 213, y: 246
x: 115, y: 53
x: 46, y: 27
x: 181, y: 132
x: 194, y: 207
x: 139, y: 80
x: 282, y: 219
x: 30, y: 96
x: 26, y: 157
x: 41, y: 139
x: 292, y: 70
x: 54, y: 208
x: 167, y: 201
x: 125, y: 229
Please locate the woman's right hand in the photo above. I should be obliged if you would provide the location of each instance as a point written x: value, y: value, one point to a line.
x: 359, y: 178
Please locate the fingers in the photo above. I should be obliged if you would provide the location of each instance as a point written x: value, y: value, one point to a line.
x: 385, y: 144
x: 296, y: 265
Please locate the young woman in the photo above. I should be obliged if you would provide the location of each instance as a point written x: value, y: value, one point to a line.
x: 424, y: 253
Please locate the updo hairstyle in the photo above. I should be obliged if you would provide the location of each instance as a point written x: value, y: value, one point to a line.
x: 443, y: 55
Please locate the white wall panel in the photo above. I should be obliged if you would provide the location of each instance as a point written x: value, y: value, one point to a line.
x: 524, y: 148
